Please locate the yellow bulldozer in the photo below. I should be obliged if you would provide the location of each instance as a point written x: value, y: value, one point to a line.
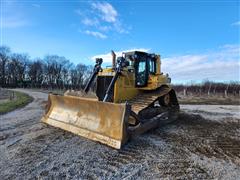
x: 132, y: 97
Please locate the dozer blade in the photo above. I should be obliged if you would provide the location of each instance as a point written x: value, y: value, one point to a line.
x: 99, y: 121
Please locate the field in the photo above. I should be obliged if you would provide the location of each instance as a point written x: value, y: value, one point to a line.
x: 208, y: 99
x: 204, y: 143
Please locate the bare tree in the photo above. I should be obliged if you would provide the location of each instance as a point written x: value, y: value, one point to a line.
x: 35, y: 73
x: 22, y: 61
x: 4, y: 57
x: 17, y: 70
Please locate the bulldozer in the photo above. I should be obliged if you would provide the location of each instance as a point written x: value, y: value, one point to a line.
x: 132, y: 96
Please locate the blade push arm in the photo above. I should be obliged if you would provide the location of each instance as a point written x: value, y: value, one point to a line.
x: 121, y: 63
x: 96, y: 69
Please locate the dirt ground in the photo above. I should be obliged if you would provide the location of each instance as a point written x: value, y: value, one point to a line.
x: 204, y: 143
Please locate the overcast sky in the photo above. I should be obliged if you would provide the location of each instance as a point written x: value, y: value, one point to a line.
x: 196, y: 40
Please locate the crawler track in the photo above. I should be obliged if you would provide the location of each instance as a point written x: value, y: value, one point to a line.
x: 148, y: 110
x: 147, y: 99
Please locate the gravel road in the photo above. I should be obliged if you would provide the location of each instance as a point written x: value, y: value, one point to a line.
x: 203, y: 144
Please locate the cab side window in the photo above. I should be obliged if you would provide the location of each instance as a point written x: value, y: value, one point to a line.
x: 152, y: 66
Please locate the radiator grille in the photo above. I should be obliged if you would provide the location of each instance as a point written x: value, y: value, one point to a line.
x: 102, y: 85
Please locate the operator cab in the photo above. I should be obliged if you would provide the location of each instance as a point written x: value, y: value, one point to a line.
x: 144, y: 65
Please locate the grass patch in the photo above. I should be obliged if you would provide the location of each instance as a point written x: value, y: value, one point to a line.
x: 21, y: 100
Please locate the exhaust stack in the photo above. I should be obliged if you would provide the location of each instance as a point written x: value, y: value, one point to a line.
x: 113, y: 59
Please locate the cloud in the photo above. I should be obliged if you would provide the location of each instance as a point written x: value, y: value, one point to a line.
x: 96, y: 34
x: 107, y: 58
x: 236, y: 23
x: 79, y: 12
x: 105, y: 28
x: 118, y: 27
x: 36, y: 5
x: 107, y: 11
x: 101, y: 17
x: 90, y: 22
x: 219, y: 65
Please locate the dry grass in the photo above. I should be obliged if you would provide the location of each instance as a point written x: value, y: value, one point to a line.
x: 19, y: 100
x: 208, y: 100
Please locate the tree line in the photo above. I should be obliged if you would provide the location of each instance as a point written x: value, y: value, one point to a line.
x: 57, y: 72
x: 52, y: 71
x: 209, y: 88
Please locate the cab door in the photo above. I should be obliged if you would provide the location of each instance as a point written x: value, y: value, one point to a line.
x: 142, y: 73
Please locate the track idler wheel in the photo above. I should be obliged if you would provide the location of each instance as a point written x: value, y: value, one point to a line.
x: 165, y: 100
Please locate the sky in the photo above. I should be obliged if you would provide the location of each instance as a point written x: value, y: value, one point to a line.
x: 197, y: 40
